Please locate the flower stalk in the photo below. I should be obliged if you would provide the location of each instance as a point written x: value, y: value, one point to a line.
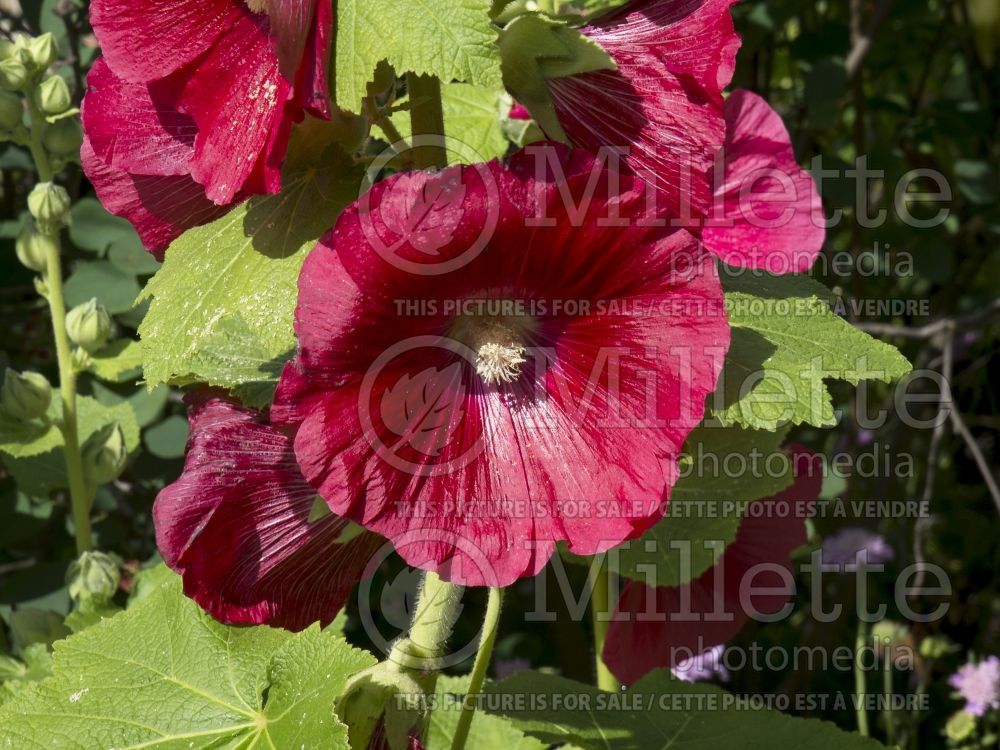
x: 78, y: 493
x: 427, y: 121
x: 859, y: 678
x: 438, y: 608
x: 600, y: 608
x: 491, y: 624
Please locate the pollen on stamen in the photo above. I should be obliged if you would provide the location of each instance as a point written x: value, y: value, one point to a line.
x: 499, y: 363
x: 499, y: 350
x: 257, y: 6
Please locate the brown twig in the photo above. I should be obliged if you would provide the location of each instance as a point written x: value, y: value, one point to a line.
x: 862, y: 43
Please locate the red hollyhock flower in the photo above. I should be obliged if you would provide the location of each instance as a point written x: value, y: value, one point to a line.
x: 476, y: 383
x: 198, y: 92
x: 766, y: 212
x: 665, y: 625
x: 664, y: 102
x: 236, y: 525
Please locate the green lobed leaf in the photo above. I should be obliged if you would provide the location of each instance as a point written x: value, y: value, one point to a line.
x: 118, y: 362
x: 659, y: 711
x: 785, y: 342
x: 723, y: 470
x: 163, y: 674
x: 235, y: 357
x: 168, y: 438
x: 115, y: 289
x: 451, y: 39
x: 486, y: 731
x: 726, y: 469
x: 93, y: 228
x: 244, y: 265
x: 472, y: 121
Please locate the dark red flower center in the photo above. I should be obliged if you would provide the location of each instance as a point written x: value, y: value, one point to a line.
x: 499, y: 344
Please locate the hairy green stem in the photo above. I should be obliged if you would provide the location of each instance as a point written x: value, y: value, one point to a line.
x: 859, y: 678
x: 78, y: 494
x: 426, y: 121
x: 491, y: 624
x: 600, y: 608
x: 42, y: 163
x: 438, y: 607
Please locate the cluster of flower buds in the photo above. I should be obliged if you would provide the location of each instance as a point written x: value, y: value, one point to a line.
x: 24, y: 65
x: 25, y: 395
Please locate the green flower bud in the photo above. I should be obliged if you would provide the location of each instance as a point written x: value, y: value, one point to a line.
x: 386, y: 695
x: 25, y: 395
x: 11, y: 110
x: 49, y: 204
x: 889, y: 633
x: 89, y: 325
x: 52, y: 96
x: 42, y: 50
x: 94, y: 575
x: 104, y: 454
x: 960, y: 726
x: 32, y: 249
x: 7, y: 49
x: 936, y: 646
x: 13, y: 74
x: 63, y: 137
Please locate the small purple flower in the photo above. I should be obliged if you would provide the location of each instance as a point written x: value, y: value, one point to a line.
x: 853, y: 544
x: 506, y: 667
x: 979, y: 685
x: 703, y: 666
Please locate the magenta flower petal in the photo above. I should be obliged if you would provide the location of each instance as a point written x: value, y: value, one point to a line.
x: 664, y: 102
x: 129, y: 131
x: 767, y: 211
x: 291, y: 27
x: 240, y: 78
x: 238, y: 99
x: 664, y: 626
x: 159, y: 207
x: 403, y: 424
x: 235, y: 526
x: 312, y: 87
x: 145, y: 41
